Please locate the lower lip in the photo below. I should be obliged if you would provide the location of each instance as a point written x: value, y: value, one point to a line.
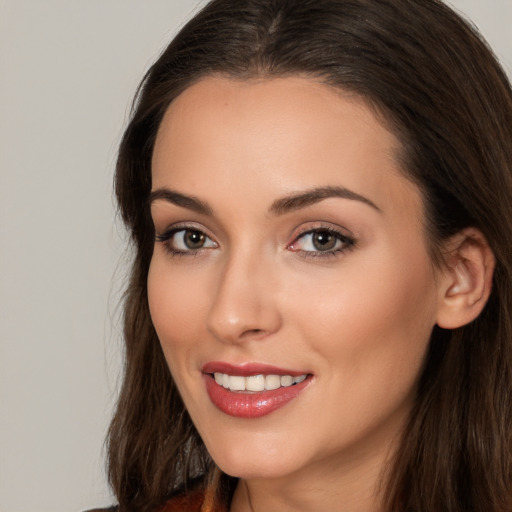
x: 251, y: 404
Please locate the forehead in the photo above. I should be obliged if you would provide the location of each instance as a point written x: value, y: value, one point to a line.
x: 275, y: 136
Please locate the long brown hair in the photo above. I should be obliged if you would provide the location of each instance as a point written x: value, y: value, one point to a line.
x: 429, y: 74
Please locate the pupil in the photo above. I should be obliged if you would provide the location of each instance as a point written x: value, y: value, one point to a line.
x: 323, y: 240
x: 194, y: 239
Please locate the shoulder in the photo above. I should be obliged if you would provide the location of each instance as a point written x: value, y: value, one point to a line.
x: 180, y: 503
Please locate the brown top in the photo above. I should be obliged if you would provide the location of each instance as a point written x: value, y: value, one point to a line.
x: 194, y: 501
x: 185, y: 502
x: 198, y: 501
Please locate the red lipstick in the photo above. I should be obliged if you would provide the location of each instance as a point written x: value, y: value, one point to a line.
x: 248, y: 369
x: 251, y: 404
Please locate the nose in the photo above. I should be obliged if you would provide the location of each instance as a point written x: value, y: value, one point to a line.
x: 244, y: 305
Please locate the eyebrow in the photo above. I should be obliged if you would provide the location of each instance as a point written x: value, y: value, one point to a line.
x: 279, y: 207
x: 189, y: 202
x: 309, y: 197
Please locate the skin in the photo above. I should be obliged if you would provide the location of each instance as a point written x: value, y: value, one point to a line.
x: 358, y: 320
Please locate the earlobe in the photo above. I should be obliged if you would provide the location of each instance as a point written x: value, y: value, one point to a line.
x: 467, y: 279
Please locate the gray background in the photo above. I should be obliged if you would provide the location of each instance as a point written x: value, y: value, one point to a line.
x: 68, y: 70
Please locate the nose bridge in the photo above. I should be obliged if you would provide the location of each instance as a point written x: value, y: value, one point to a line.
x: 243, y: 306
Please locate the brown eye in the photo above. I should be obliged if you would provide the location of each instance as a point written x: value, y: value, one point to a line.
x: 193, y: 239
x: 324, y: 240
x: 183, y: 240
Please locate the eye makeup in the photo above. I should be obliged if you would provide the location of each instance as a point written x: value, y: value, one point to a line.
x: 322, y: 242
x: 319, y: 241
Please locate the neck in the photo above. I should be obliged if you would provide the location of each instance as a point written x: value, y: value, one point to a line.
x: 351, y: 486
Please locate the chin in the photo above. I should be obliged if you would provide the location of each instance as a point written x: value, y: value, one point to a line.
x: 248, y: 460
x: 252, y: 470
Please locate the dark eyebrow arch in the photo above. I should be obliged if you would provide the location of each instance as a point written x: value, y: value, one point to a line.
x: 309, y: 197
x: 189, y: 202
x: 278, y: 207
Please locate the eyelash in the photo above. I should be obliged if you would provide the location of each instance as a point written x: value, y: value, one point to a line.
x: 166, y: 239
x: 344, y: 241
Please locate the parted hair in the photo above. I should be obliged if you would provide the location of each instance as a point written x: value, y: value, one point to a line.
x: 436, y: 83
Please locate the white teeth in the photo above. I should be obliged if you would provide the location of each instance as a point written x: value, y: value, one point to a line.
x: 272, y: 382
x: 236, y: 383
x: 256, y: 382
x: 286, y: 380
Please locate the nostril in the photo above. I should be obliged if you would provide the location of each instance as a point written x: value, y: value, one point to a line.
x: 253, y: 333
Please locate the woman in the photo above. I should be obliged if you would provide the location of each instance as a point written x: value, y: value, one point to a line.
x: 319, y: 310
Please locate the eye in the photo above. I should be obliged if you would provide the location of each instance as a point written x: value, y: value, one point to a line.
x: 185, y: 240
x: 322, y: 242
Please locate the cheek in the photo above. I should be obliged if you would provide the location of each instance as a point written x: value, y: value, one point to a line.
x: 374, y: 320
x: 368, y: 337
x: 177, y: 310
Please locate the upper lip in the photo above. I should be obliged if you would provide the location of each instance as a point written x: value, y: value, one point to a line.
x: 248, y: 369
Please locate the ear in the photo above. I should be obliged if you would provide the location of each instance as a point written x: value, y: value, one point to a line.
x: 466, y: 282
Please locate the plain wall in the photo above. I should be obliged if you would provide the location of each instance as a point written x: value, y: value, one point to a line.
x: 68, y: 71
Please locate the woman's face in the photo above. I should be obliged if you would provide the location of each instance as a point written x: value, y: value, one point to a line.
x: 291, y: 266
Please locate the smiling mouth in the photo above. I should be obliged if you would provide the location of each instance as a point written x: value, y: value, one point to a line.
x: 256, y: 395
x: 256, y: 383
